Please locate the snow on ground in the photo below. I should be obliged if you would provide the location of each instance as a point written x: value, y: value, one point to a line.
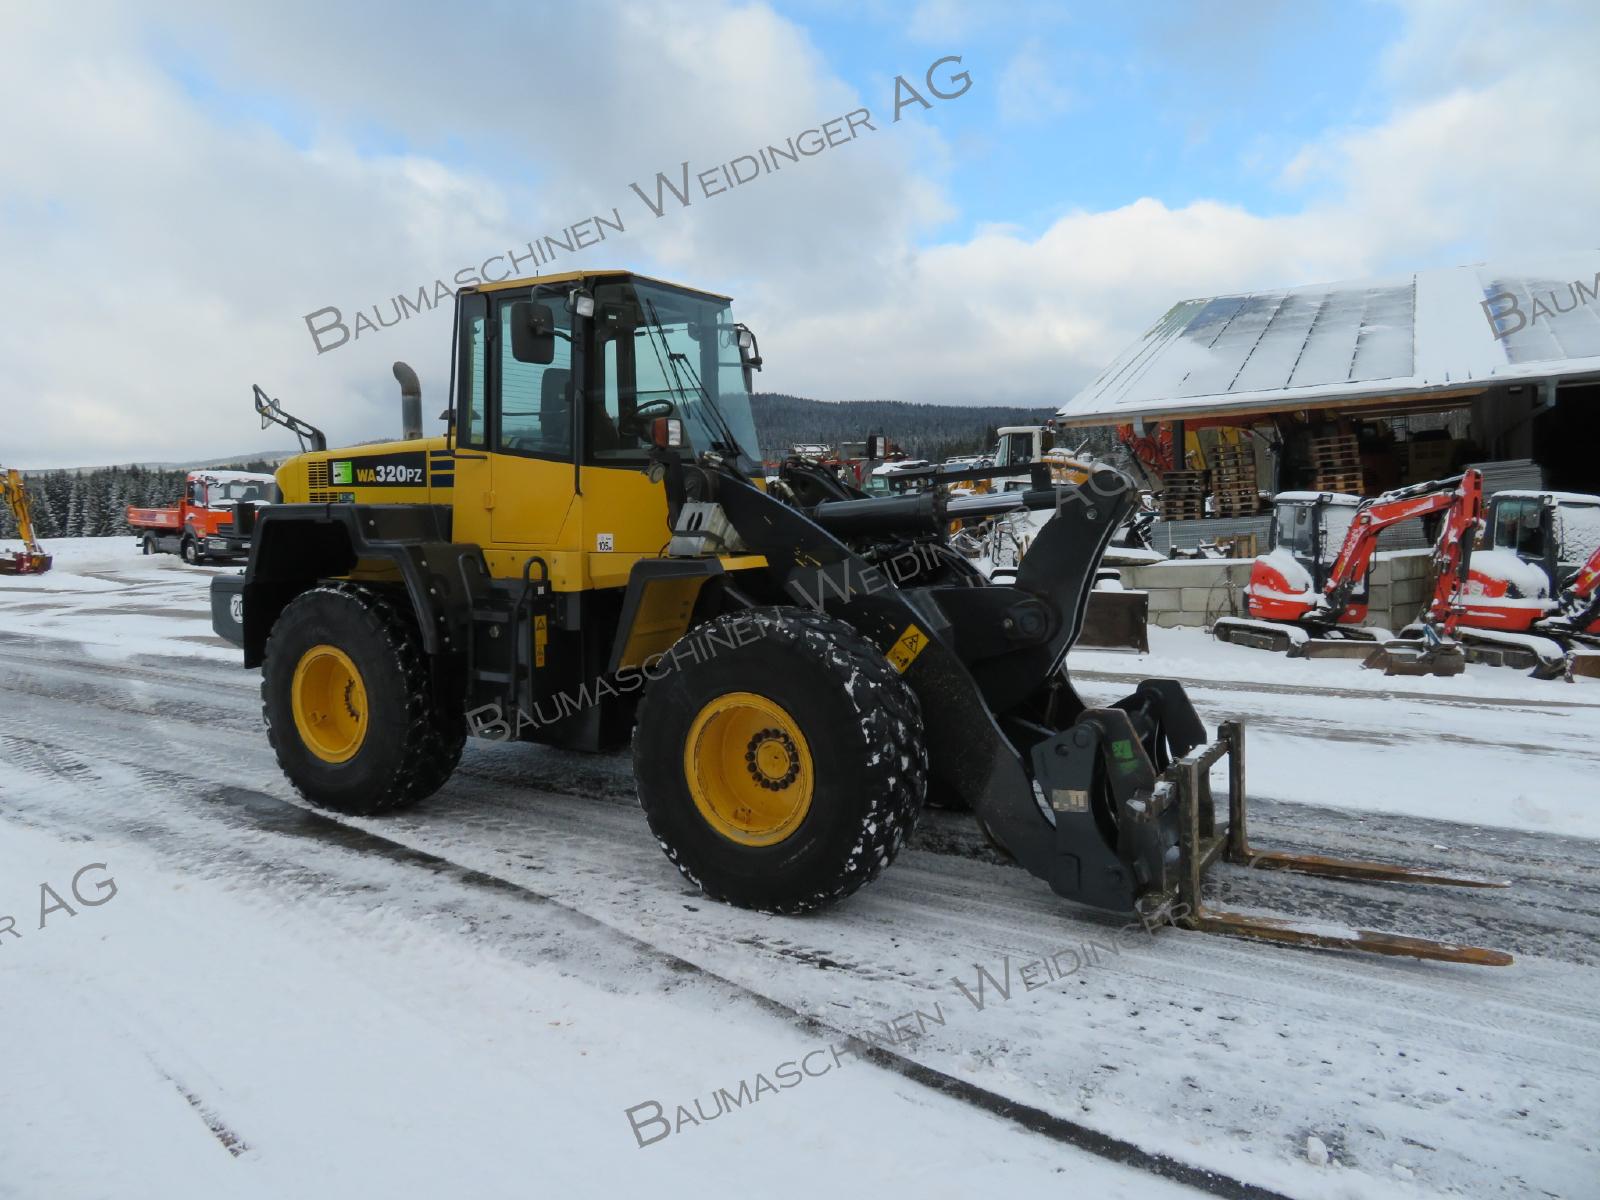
x: 467, y: 997
x: 213, y: 1040
x: 1438, y: 745
x: 117, y: 602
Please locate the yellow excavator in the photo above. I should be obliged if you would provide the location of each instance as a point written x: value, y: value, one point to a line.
x: 31, y: 559
x: 592, y: 553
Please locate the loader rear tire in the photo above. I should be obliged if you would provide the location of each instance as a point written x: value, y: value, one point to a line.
x: 349, y: 704
x: 780, y: 759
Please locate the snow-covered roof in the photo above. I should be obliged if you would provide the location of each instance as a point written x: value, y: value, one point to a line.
x: 1450, y: 330
x: 1558, y: 497
x: 1307, y: 497
x: 231, y: 477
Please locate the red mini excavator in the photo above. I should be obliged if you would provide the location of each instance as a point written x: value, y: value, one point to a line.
x: 1309, y: 603
x: 1532, y: 595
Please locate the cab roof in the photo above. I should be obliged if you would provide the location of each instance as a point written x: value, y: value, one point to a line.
x: 573, y: 276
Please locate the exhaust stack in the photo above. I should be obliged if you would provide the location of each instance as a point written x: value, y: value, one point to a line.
x: 410, y: 401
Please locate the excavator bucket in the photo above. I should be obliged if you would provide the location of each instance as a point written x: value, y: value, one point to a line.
x: 1117, y: 621
x: 24, y: 562
x: 1403, y: 656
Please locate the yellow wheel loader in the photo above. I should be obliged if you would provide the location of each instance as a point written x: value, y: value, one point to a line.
x: 591, y: 554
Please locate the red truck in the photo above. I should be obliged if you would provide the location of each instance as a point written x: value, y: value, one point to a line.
x: 214, y: 519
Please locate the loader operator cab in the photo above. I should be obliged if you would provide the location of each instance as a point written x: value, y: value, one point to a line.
x: 545, y: 367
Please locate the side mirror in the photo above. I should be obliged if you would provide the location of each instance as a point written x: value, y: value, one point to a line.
x: 749, y: 355
x: 533, y: 332
x: 877, y: 447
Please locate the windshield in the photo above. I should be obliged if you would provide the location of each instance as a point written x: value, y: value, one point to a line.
x: 660, y: 343
x: 219, y: 494
x: 1016, y: 449
x: 1336, y: 522
x: 1294, y: 528
x: 1577, y: 531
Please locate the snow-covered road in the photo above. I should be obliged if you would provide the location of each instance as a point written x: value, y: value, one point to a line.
x: 474, y: 993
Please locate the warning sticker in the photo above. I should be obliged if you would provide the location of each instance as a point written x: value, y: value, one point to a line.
x: 906, y: 648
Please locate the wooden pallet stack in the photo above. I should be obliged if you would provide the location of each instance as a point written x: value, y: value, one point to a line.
x: 1233, y: 481
x: 1336, y: 464
x: 1183, y: 495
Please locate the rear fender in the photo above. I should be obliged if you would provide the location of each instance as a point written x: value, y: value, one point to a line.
x: 297, y: 545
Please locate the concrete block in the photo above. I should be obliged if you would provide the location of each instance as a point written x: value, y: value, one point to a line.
x: 1378, y: 596
x: 1402, y: 615
x: 1165, y: 599
x: 1409, y: 591
x: 1405, y: 564
x: 1193, y: 573
x: 1218, y: 599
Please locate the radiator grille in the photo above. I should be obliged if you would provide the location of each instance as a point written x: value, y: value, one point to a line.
x: 317, y: 474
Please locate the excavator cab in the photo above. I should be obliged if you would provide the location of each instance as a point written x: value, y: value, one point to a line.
x: 1310, y: 527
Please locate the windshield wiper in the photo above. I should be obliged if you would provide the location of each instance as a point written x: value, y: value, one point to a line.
x: 675, y: 358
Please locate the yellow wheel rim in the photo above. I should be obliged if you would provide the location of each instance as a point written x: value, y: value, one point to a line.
x: 749, y: 769
x: 330, y: 704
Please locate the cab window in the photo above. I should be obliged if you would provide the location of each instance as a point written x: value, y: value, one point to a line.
x: 536, y: 398
x: 1517, y: 527
x: 473, y: 417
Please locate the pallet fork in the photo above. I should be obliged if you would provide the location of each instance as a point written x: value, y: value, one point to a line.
x: 1183, y: 788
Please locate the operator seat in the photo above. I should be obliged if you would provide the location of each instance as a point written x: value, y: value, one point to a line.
x: 555, y: 409
x: 555, y: 415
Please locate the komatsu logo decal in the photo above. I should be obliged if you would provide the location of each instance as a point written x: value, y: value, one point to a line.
x: 380, y: 470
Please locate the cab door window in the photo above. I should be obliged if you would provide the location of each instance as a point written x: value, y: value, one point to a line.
x: 536, y: 398
x: 472, y: 420
x: 1517, y: 527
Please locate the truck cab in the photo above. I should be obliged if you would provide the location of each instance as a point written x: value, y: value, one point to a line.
x: 213, y: 520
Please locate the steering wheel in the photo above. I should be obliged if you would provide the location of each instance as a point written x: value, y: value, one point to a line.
x: 648, y: 411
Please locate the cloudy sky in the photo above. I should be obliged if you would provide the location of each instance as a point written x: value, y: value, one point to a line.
x: 180, y: 185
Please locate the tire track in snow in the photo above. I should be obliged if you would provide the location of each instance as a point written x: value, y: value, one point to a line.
x: 484, y: 823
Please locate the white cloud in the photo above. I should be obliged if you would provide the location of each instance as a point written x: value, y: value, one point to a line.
x: 1031, y: 88
x: 162, y: 244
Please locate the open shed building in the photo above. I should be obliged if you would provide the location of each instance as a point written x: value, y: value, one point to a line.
x: 1361, y: 387
x: 1358, y: 387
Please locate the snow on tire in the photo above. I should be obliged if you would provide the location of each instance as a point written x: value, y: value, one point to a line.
x: 782, y: 697
x: 404, y: 746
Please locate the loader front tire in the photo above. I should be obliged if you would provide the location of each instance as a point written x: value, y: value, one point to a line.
x: 780, y: 759
x: 349, y: 704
